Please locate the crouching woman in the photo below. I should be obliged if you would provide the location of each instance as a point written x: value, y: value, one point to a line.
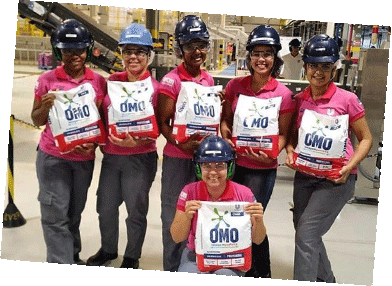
x: 214, y: 160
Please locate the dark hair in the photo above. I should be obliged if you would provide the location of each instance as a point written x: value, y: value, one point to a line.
x: 276, y: 69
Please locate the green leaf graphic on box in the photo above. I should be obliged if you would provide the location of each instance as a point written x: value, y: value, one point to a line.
x: 220, y: 218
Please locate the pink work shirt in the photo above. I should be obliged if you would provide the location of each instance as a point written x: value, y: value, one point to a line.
x: 198, y: 191
x: 114, y: 149
x: 170, y: 86
x: 334, y: 102
x: 57, y: 79
x: 242, y: 85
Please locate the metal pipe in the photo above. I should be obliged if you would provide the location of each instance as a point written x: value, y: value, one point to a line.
x: 350, y: 37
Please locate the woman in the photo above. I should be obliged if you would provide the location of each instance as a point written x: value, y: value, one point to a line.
x: 192, y: 46
x: 318, y: 201
x: 215, y: 161
x: 129, y: 165
x: 257, y: 170
x: 64, y: 178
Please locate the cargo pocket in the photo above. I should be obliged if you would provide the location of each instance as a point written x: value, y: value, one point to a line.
x: 45, y: 198
x: 48, y: 210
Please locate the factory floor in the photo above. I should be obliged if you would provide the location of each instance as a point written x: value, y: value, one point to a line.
x: 350, y: 243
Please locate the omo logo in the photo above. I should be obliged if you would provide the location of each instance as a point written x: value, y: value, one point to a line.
x: 257, y: 120
x: 134, y: 106
x: 76, y: 112
x: 319, y: 141
x: 201, y: 107
x: 223, y: 235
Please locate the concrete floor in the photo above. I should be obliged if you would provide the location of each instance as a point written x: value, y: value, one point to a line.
x: 350, y: 243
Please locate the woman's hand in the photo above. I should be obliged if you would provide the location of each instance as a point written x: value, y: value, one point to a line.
x: 230, y: 142
x: 40, y: 111
x: 85, y: 149
x: 256, y: 212
x: 192, y: 143
x: 345, y: 173
x: 221, y: 95
x: 290, y: 158
x: 129, y: 141
x: 47, y: 100
x: 256, y: 217
x: 260, y: 156
x: 191, y: 208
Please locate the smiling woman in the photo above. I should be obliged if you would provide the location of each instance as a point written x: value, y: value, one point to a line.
x: 214, y: 164
x: 192, y: 46
x: 65, y: 178
x: 256, y: 164
x: 319, y: 198
x: 73, y: 61
x: 130, y: 158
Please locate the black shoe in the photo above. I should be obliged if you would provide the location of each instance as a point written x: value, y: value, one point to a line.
x: 100, y: 258
x: 130, y: 263
x: 253, y: 273
x: 321, y: 280
x: 78, y: 261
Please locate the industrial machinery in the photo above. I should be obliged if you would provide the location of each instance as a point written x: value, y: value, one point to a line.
x: 47, y: 15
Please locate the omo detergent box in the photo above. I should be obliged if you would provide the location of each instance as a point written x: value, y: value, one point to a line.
x: 74, y: 118
x: 198, y: 110
x: 223, y: 236
x: 131, y: 109
x: 322, y: 141
x: 256, y: 125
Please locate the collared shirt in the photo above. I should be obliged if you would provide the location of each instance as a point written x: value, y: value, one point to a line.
x: 292, y: 66
x: 242, y: 85
x: 335, y: 101
x: 233, y: 192
x: 57, y: 79
x: 170, y: 86
x: 118, y: 150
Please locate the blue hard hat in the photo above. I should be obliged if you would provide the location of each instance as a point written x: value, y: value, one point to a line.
x: 264, y: 35
x: 189, y: 28
x: 214, y: 149
x: 321, y: 49
x: 71, y: 34
x: 136, y: 34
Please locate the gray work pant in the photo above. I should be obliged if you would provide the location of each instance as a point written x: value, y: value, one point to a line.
x: 63, y: 186
x: 188, y: 264
x: 125, y: 179
x: 176, y: 173
x: 317, y: 203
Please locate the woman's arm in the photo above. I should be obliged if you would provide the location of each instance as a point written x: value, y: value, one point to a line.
x: 181, y: 225
x: 226, y: 125
x: 284, y: 129
x: 164, y: 114
x: 40, y: 111
x: 256, y: 215
x: 292, y: 141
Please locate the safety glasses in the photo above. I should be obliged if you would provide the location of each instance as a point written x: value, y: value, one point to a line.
x: 324, y: 67
x: 217, y: 166
x: 69, y: 52
x: 137, y: 52
x: 192, y: 46
x: 262, y: 54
